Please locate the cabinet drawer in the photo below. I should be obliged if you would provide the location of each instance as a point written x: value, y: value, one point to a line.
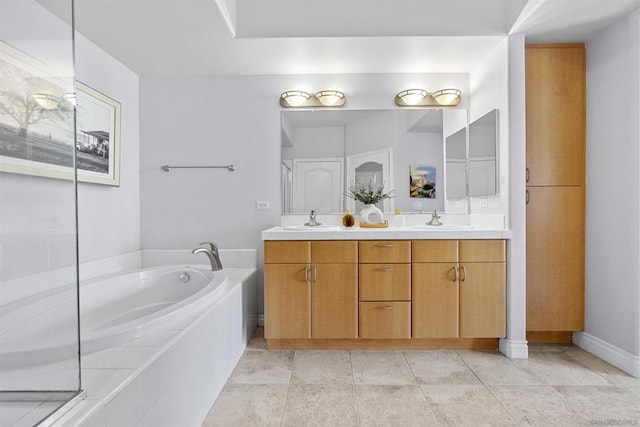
x: 334, y: 251
x: 384, y: 251
x: 287, y: 252
x: 434, y: 251
x: 385, y: 282
x: 482, y: 250
x: 385, y: 319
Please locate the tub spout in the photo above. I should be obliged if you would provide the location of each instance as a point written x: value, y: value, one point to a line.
x: 214, y: 258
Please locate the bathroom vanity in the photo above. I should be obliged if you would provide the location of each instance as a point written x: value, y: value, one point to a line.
x: 396, y: 288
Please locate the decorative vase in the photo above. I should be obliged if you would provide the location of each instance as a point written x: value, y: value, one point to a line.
x: 348, y: 220
x: 370, y: 214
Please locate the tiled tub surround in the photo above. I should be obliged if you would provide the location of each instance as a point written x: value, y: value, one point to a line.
x: 166, y: 377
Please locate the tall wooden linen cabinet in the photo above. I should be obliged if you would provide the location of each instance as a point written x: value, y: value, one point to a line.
x: 555, y: 180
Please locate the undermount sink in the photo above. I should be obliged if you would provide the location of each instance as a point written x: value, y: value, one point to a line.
x: 443, y: 227
x: 310, y: 227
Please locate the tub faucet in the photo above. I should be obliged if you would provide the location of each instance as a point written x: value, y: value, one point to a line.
x: 312, y: 220
x: 213, y: 256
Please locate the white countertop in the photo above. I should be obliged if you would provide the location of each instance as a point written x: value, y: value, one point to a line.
x: 411, y: 232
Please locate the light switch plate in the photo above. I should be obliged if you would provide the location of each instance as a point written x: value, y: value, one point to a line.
x: 262, y: 204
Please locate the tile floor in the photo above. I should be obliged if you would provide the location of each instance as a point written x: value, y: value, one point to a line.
x: 558, y: 385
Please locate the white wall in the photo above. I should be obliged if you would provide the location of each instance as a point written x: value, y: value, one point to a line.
x: 236, y: 119
x: 613, y: 187
x: 109, y: 217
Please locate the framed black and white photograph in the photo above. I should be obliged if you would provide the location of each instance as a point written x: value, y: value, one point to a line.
x: 97, y: 136
x: 37, y: 118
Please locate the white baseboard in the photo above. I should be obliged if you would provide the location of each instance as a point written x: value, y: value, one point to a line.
x: 261, y: 320
x: 608, y: 352
x: 514, y: 349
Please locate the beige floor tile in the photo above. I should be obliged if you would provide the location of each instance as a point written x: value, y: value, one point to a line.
x: 389, y: 405
x: 560, y: 369
x: 263, y: 367
x: 381, y: 367
x: 322, y: 367
x: 241, y: 405
x: 440, y: 367
x: 493, y: 368
x: 466, y: 405
x: 615, y: 405
x: 320, y: 405
x: 610, y: 372
x: 539, y: 405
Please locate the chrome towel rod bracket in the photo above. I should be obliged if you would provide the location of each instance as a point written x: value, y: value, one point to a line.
x: 167, y: 168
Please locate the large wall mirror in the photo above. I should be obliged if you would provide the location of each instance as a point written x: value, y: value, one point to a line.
x: 325, y: 150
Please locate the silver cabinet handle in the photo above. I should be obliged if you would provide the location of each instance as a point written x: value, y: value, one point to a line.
x: 526, y: 194
x: 527, y: 175
x: 455, y: 274
x: 315, y: 273
x: 387, y: 245
x: 306, y: 273
x: 385, y: 307
x: 464, y: 270
x: 384, y: 269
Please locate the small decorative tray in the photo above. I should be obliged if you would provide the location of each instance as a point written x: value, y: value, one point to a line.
x: 384, y: 224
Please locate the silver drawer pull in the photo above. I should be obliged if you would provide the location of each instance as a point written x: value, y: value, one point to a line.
x: 388, y: 245
x: 384, y: 269
x: 464, y: 271
x: 385, y: 307
x: 455, y: 274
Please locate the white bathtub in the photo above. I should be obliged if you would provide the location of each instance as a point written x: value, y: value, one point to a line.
x: 114, y: 310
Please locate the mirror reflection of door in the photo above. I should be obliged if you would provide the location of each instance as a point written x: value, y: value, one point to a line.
x: 318, y: 185
x: 374, y: 166
x: 369, y: 172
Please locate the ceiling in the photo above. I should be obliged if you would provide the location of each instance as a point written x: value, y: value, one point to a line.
x: 239, y: 37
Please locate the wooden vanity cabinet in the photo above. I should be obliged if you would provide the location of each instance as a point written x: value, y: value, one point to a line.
x: 458, y: 289
x: 311, y: 289
x: 385, y: 289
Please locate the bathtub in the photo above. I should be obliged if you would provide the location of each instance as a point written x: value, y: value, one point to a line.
x: 114, y: 310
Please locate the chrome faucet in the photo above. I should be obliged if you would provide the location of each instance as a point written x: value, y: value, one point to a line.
x: 435, y: 218
x: 212, y: 254
x: 312, y: 220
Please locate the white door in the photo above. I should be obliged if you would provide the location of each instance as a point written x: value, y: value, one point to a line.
x: 318, y: 185
x: 382, y: 157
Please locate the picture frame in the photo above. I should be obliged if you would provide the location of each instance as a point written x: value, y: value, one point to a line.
x: 37, y: 123
x: 97, y: 136
x: 422, y: 181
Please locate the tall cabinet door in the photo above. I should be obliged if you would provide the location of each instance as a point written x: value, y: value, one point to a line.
x: 555, y: 258
x: 287, y: 301
x: 482, y: 299
x: 334, y: 294
x: 556, y: 114
x: 434, y: 297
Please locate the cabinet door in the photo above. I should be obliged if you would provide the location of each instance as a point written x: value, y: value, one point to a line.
x: 334, y: 301
x: 482, y: 300
x: 555, y: 259
x: 556, y: 114
x: 434, y: 297
x: 287, y: 301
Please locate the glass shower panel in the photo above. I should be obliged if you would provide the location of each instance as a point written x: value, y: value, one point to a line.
x: 39, y: 328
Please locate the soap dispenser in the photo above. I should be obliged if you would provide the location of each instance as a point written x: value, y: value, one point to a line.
x: 348, y: 220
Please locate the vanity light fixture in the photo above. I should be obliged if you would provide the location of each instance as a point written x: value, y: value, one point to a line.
x: 422, y: 98
x: 324, y: 98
